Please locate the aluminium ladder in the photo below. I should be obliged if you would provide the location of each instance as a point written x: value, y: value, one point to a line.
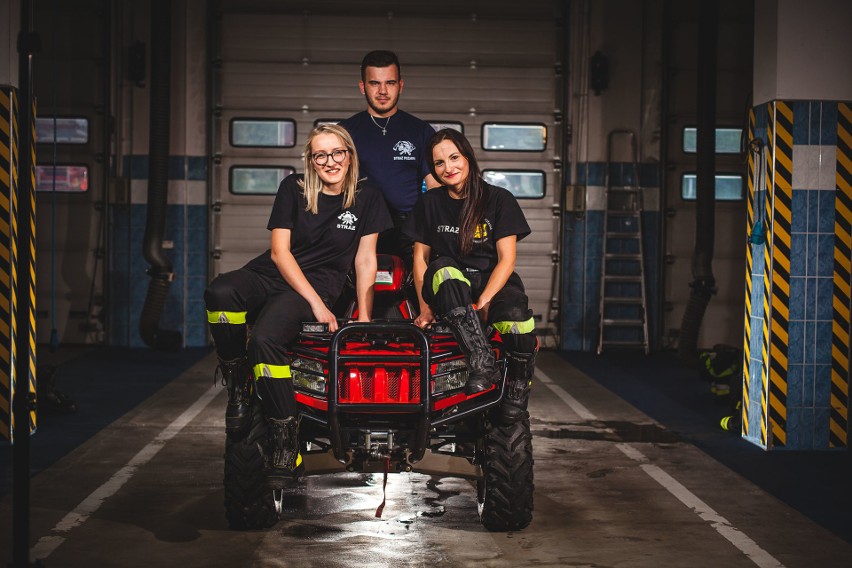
x: 624, y: 310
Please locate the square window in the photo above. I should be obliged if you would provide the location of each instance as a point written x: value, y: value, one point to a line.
x: 68, y: 130
x: 457, y: 126
x: 524, y: 184
x: 507, y: 137
x: 320, y: 121
x: 727, y: 140
x: 66, y: 179
x: 729, y: 187
x: 257, y: 180
x: 263, y: 133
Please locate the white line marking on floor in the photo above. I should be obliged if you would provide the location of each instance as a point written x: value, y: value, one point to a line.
x: 47, y: 544
x: 681, y: 493
x: 632, y: 452
x: 717, y: 521
x: 572, y: 402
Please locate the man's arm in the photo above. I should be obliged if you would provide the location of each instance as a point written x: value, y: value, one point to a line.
x: 431, y: 181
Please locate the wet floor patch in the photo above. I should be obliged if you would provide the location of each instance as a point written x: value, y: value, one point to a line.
x: 435, y: 511
x: 612, y: 431
x: 312, y: 531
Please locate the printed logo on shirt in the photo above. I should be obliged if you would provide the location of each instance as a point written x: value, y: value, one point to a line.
x: 448, y: 229
x: 405, y: 148
x: 347, y: 221
x: 480, y: 235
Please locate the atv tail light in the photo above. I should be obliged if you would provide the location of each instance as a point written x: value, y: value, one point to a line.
x: 449, y: 375
x: 379, y: 384
x: 390, y: 275
x: 309, y: 375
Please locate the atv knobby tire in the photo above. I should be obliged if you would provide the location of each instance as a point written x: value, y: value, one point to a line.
x: 248, y: 500
x: 506, y: 492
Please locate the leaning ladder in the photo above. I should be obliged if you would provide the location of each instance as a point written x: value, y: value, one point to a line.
x: 624, y: 313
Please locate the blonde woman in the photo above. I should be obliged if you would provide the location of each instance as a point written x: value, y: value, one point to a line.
x: 321, y: 223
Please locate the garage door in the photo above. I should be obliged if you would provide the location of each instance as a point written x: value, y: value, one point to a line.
x: 492, y: 75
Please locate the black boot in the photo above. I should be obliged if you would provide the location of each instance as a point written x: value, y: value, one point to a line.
x: 236, y: 377
x: 285, y: 464
x: 518, y: 384
x: 482, y: 365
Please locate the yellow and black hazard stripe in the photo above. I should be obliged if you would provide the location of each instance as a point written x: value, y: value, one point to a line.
x: 13, y: 222
x: 7, y: 113
x: 10, y: 257
x: 839, y: 420
x: 782, y: 207
x: 31, y: 267
x: 767, y: 282
x: 747, y: 334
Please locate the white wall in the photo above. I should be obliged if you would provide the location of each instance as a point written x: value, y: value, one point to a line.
x: 616, y: 31
x: 189, y: 98
x: 803, y: 50
x: 9, y: 13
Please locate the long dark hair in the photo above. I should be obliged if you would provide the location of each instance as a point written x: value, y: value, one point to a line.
x: 474, y: 190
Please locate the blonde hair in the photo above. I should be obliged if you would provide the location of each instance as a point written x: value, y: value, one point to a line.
x: 312, y: 184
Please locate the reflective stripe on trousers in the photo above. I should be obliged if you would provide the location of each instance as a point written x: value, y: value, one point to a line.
x: 233, y: 318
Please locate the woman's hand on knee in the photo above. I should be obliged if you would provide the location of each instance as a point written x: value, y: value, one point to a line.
x: 425, y: 318
x: 482, y: 309
x: 324, y: 315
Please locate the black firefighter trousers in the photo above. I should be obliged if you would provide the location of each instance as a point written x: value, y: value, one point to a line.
x: 275, y: 313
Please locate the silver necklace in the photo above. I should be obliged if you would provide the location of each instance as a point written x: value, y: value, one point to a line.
x: 384, y: 128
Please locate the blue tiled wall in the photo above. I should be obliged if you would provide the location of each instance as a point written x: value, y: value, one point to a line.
x: 811, y: 280
x: 583, y: 246
x: 187, y: 229
x: 756, y: 369
x: 811, y: 275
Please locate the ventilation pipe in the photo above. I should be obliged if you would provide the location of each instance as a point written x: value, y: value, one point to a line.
x: 160, y: 271
x: 703, y: 284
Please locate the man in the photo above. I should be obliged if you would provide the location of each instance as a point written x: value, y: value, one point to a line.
x: 391, y: 145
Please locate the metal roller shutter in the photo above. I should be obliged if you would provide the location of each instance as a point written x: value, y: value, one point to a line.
x: 495, y: 66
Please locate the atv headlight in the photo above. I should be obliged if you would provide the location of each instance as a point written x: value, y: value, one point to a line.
x: 449, y: 375
x: 309, y: 375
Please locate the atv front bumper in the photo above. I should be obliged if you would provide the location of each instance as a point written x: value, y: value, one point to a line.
x: 377, y: 387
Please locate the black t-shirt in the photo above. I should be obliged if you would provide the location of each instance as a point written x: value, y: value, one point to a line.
x: 435, y: 222
x: 324, y: 244
x: 393, y: 161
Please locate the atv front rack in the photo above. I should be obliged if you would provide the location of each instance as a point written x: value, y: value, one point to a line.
x: 392, y: 363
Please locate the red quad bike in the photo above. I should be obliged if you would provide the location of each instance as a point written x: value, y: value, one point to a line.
x: 387, y: 396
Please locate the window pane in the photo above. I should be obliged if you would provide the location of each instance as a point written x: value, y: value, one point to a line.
x: 69, y: 179
x: 729, y: 187
x: 518, y: 137
x: 266, y: 133
x: 68, y: 130
x: 522, y: 184
x: 248, y: 180
x: 727, y: 140
x: 457, y: 126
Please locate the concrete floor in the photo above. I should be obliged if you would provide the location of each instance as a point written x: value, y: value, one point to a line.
x: 613, y: 488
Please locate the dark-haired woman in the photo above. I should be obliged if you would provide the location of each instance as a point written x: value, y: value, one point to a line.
x: 320, y: 222
x: 465, y: 241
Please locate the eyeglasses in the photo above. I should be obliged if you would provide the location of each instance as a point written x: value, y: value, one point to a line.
x: 321, y: 158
